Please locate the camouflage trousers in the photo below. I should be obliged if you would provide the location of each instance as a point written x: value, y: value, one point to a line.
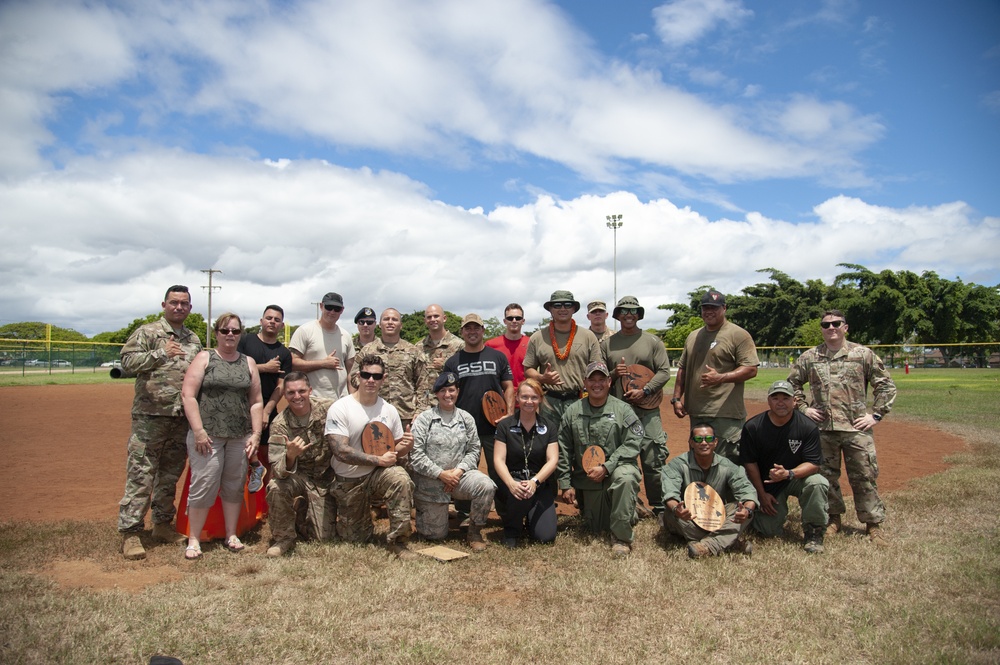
x: 432, y: 517
x: 354, y: 498
x: 811, y: 492
x: 612, y: 508
x: 858, y: 450
x: 717, y: 541
x: 156, y: 457
x: 652, y: 456
x: 728, y: 431
x: 320, y: 521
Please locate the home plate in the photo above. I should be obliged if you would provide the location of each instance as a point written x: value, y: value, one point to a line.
x: 442, y: 553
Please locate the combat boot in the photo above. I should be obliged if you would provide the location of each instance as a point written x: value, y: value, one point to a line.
x: 132, y: 547
x: 699, y: 550
x: 399, y: 549
x: 164, y: 532
x: 834, y: 526
x: 812, y: 538
x: 475, y: 539
x: 876, y: 535
x: 280, y: 547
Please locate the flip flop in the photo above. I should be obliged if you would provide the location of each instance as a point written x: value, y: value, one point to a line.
x: 233, y: 544
x: 192, y: 552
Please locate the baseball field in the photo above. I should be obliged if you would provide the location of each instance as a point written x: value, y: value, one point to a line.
x: 933, y: 595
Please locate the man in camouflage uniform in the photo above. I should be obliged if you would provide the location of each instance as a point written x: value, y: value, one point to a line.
x: 597, y: 314
x: 405, y: 385
x: 439, y: 344
x: 607, y: 493
x: 157, y: 354
x: 363, y: 478
x: 300, y: 465
x: 838, y: 373
x: 365, y: 321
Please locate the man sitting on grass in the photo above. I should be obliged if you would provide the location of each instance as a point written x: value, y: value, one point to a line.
x: 784, y: 444
x: 701, y: 464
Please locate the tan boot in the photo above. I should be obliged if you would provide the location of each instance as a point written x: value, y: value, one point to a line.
x: 698, y: 550
x: 399, y: 549
x: 166, y: 533
x: 132, y: 547
x: 475, y: 539
x: 834, y: 526
x: 876, y: 535
x: 620, y: 549
x: 280, y: 548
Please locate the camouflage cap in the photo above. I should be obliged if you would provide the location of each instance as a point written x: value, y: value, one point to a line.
x: 781, y: 387
x: 597, y: 366
x: 595, y: 305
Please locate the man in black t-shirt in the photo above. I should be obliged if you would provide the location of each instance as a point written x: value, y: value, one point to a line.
x: 781, y: 454
x: 479, y: 369
x: 273, y: 362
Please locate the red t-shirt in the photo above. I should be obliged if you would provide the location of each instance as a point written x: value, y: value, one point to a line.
x: 514, y: 349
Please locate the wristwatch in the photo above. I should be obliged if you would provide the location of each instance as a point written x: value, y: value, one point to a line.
x: 791, y: 474
x: 538, y: 483
x: 674, y: 400
x: 877, y: 417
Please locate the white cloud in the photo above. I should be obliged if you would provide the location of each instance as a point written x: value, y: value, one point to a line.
x: 94, y: 246
x: 682, y: 22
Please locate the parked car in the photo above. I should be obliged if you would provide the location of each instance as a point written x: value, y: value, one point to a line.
x: 112, y: 363
x: 34, y: 362
x: 61, y: 363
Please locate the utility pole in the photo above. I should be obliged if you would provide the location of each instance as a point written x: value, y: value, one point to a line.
x: 614, y: 223
x: 208, y: 321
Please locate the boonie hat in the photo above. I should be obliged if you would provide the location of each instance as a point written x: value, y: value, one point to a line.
x: 628, y: 302
x: 781, y: 387
x: 562, y: 296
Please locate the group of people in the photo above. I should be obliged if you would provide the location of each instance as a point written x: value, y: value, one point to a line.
x: 568, y: 413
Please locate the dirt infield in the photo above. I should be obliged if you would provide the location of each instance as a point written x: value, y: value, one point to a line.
x: 65, y: 450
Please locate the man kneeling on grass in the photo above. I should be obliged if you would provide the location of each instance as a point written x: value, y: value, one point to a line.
x: 701, y: 464
x: 784, y: 444
x: 363, y: 478
x: 300, y: 465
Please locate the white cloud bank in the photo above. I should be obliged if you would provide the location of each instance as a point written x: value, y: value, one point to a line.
x: 94, y: 246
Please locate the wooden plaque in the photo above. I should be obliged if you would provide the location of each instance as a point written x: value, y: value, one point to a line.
x: 706, y: 506
x: 494, y: 406
x: 637, y: 378
x: 593, y: 456
x: 377, y: 439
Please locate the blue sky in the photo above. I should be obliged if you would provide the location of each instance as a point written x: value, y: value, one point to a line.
x: 467, y: 153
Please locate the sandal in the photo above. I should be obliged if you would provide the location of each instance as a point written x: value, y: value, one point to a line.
x: 233, y: 544
x: 192, y: 552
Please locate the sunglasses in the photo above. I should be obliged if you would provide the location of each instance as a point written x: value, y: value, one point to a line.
x: 561, y: 305
x: 366, y: 323
x: 513, y: 318
x: 704, y: 439
x: 835, y: 324
x: 228, y: 331
x: 629, y: 310
x: 371, y: 375
x: 333, y: 308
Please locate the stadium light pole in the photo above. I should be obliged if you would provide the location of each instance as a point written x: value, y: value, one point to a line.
x: 208, y: 323
x: 614, y: 223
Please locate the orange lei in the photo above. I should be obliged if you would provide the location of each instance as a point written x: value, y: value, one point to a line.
x: 569, y: 344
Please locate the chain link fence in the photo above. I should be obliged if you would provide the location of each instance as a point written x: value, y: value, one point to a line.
x: 32, y: 357
x: 895, y: 356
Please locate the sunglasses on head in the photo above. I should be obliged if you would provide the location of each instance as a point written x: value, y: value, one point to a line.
x: 333, y: 308
x: 371, y: 375
x: 835, y: 324
x: 708, y: 438
x: 514, y: 318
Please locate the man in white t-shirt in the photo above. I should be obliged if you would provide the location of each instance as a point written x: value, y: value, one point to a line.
x: 363, y: 478
x: 324, y: 351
